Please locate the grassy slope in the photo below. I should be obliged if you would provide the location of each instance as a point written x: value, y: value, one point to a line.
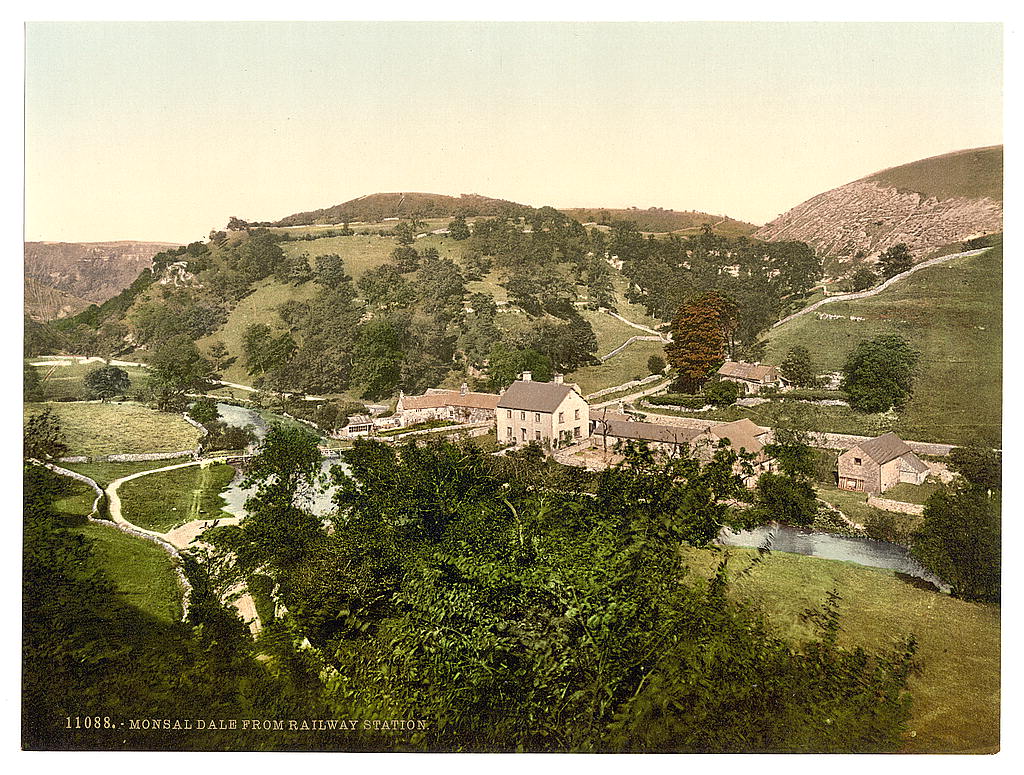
x: 105, y: 429
x: 628, y: 365
x: 104, y: 473
x: 141, y: 571
x: 951, y: 313
x: 77, y: 500
x: 165, y: 500
x: 67, y: 382
x: 955, y: 698
x: 973, y: 173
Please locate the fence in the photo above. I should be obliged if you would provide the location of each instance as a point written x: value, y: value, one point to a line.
x: 898, y: 506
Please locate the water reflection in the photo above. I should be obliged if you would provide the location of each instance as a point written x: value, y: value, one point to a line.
x: 829, y: 546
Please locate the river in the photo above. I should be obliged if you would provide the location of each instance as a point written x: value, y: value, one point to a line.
x: 319, y: 502
x: 830, y: 546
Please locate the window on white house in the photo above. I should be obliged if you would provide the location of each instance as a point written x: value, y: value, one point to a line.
x: 576, y: 432
x: 536, y: 416
x: 537, y: 435
x: 510, y: 432
x: 522, y: 415
x: 523, y: 431
x: 510, y: 414
x: 577, y: 414
x: 561, y: 417
x: 856, y: 461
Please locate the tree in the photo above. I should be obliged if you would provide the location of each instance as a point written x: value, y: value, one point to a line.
x: 700, y: 332
x: 105, y: 382
x: 895, y: 260
x: 960, y: 540
x: 378, y: 355
x: 204, y: 411
x: 722, y: 392
x: 219, y: 357
x: 656, y: 364
x: 863, y: 279
x: 405, y: 233
x: 32, y: 386
x: 979, y: 465
x: 44, y: 437
x: 330, y: 271
x: 879, y: 373
x: 178, y: 368
x: 796, y: 368
x: 506, y: 364
x: 788, y: 496
x: 457, y: 228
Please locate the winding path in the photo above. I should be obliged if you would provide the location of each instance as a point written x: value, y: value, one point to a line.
x: 182, y: 536
x: 874, y: 291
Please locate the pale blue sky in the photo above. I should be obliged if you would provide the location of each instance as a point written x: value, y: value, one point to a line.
x: 163, y: 131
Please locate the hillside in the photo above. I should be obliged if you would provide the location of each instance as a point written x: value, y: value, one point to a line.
x: 377, y: 207
x: 659, y: 221
x: 45, y: 303
x: 92, y: 271
x: 952, y: 314
x: 926, y: 204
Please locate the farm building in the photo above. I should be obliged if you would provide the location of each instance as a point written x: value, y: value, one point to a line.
x: 460, y: 406
x: 752, y: 377
x: 877, y: 464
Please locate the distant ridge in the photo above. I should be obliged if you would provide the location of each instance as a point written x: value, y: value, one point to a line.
x: 660, y: 221
x: 926, y: 204
x: 377, y: 207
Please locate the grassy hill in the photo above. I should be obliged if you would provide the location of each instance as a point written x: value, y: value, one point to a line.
x: 376, y: 207
x: 659, y: 221
x: 973, y: 173
x: 952, y: 314
x: 955, y: 697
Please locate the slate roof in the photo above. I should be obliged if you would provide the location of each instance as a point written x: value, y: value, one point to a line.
x: 889, y: 446
x: 648, y: 431
x: 748, y: 371
x: 534, y: 396
x: 434, y: 399
x: 742, y: 434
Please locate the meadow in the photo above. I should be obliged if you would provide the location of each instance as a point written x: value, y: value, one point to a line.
x: 165, y: 500
x: 951, y: 314
x: 955, y: 697
x: 66, y: 381
x: 142, y: 572
x: 97, y: 429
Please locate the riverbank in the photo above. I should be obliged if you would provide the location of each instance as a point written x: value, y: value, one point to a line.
x: 955, y: 697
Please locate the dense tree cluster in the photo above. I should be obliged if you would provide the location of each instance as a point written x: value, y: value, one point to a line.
x: 521, y: 614
x: 879, y: 373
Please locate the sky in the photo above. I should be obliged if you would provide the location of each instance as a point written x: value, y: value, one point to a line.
x: 162, y: 131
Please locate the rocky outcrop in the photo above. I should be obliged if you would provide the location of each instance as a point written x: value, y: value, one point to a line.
x: 871, y: 217
x: 93, y: 271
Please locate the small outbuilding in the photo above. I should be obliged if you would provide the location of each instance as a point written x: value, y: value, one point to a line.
x: 752, y: 377
x: 877, y: 464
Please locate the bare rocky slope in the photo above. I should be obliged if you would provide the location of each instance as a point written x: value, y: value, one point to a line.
x: 926, y: 204
x: 45, y: 303
x: 90, y: 271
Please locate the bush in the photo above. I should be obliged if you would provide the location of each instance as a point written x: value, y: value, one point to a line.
x: 721, y: 393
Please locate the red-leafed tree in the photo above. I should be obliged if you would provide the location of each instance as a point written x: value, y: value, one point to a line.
x: 701, y: 329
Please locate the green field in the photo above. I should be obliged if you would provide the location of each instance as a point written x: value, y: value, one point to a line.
x: 911, y: 493
x: 952, y: 314
x: 77, y: 500
x: 67, y: 382
x: 104, y: 429
x: 973, y: 174
x: 142, y: 572
x: 104, y: 473
x: 956, y: 696
x: 610, y: 332
x: 167, y: 499
x: 628, y: 365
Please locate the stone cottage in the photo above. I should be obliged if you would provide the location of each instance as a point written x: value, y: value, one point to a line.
x: 461, y: 406
x: 877, y: 464
x: 551, y: 413
x: 751, y: 377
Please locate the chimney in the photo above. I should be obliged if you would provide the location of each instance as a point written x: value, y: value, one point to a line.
x: 558, y: 379
x: 464, y: 389
x: 527, y: 376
